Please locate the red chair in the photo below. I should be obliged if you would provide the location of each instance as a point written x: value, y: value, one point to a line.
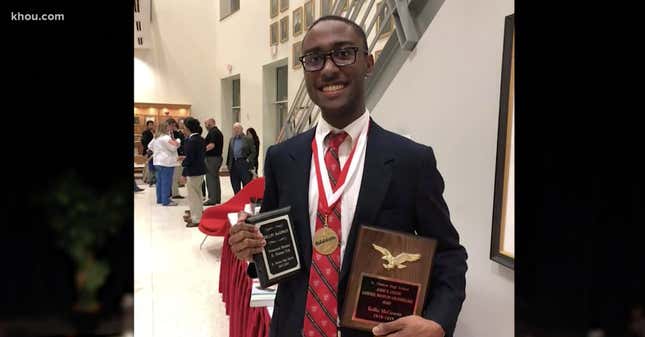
x: 214, y: 220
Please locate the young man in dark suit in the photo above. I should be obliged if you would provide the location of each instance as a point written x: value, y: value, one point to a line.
x: 394, y: 185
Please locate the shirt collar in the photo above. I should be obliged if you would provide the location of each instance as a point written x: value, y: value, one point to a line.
x: 192, y: 134
x: 354, y: 129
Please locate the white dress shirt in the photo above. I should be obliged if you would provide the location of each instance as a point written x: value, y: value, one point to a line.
x: 350, y: 195
x: 164, y: 153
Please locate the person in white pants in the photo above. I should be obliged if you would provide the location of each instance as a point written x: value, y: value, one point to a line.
x: 194, y: 171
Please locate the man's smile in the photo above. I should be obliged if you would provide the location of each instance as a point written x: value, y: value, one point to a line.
x: 333, y: 90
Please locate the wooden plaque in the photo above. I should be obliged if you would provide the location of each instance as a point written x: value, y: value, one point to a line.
x: 388, y: 279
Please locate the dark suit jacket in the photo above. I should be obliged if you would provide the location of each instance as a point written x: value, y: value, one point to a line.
x: 401, y: 190
x: 214, y: 136
x: 194, y: 150
x: 253, y: 161
x: 176, y: 134
x: 248, y: 151
x: 146, y: 138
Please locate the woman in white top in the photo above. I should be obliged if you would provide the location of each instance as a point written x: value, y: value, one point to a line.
x: 164, y: 158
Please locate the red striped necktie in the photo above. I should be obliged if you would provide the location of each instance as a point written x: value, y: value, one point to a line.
x: 321, y: 309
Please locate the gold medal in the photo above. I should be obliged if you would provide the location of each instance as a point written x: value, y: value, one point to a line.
x: 325, y: 241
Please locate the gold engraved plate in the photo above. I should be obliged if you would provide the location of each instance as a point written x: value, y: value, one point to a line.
x: 396, y: 261
x: 325, y: 241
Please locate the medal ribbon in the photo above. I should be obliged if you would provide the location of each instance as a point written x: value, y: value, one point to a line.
x: 340, y: 185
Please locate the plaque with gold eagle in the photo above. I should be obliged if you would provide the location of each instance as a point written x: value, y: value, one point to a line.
x: 396, y: 261
x: 388, y: 278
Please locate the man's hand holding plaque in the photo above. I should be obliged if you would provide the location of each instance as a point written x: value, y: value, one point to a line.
x: 268, y: 240
x: 409, y: 326
x: 245, y: 239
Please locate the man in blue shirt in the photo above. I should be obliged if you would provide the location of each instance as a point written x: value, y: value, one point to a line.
x: 240, y: 150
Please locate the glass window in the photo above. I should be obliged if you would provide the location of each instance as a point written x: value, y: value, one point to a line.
x: 281, y: 96
x: 236, y: 92
x: 235, y: 108
x: 228, y: 7
x: 282, y: 87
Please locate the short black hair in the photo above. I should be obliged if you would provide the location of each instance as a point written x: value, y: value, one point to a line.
x: 192, y: 125
x: 149, y: 122
x: 171, y: 121
x: 353, y: 24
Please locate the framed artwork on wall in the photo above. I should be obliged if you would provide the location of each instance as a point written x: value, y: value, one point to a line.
x: 273, y: 34
x: 284, y: 29
x: 273, y: 8
x: 295, y: 55
x: 380, y: 21
x: 326, y: 7
x: 297, y: 21
x: 503, y: 230
x: 284, y: 5
x: 310, y: 13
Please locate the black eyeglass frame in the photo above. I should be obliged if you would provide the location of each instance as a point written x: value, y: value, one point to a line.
x: 329, y: 55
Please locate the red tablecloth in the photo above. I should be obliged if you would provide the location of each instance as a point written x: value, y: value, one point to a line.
x: 235, y: 286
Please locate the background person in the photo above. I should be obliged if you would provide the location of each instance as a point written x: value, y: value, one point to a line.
x: 240, y: 149
x: 165, y: 157
x: 146, y: 137
x: 250, y: 132
x: 214, y: 144
x: 175, y: 133
x: 194, y: 169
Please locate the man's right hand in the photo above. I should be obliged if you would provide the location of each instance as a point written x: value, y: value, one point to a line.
x: 245, y: 240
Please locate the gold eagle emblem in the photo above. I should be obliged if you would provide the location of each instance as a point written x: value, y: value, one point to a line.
x: 396, y: 261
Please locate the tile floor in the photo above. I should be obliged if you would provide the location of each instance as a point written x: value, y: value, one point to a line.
x: 175, y: 283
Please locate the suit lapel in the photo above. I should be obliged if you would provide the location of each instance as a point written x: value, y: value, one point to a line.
x: 377, y: 172
x: 300, y: 155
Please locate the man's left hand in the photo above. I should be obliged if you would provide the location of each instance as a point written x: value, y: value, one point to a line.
x: 409, y: 326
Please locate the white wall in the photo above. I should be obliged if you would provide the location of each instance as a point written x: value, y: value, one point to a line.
x: 239, y: 39
x: 179, y: 66
x: 449, y: 92
x: 243, y: 43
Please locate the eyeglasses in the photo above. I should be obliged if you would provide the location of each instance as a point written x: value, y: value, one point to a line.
x: 341, y: 57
